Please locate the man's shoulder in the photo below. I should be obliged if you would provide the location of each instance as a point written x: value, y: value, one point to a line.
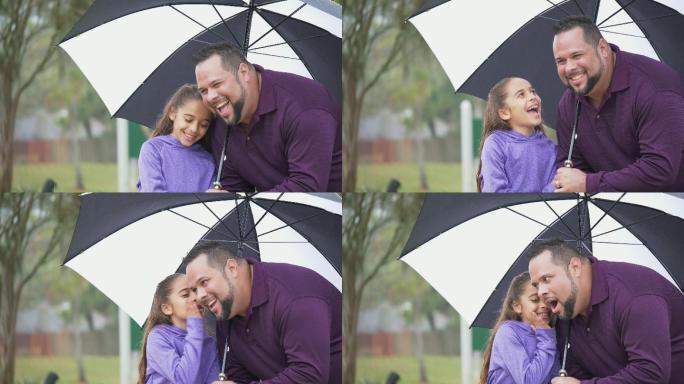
x: 299, y: 93
x: 293, y: 281
x: 649, y: 74
x: 633, y: 280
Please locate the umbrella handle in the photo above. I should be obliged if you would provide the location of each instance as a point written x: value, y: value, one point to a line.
x: 216, y: 185
x: 563, y: 373
x: 567, y: 164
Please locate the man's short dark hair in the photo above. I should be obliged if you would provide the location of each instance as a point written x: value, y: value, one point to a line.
x: 561, y: 253
x: 591, y: 33
x: 217, y: 254
x: 231, y: 56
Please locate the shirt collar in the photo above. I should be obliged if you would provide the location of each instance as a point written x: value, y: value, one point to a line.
x: 259, y: 288
x: 267, y: 99
x: 620, y: 78
x: 599, y: 285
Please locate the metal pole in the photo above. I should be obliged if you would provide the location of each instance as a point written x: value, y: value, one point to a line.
x: 466, y: 146
x: 122, y: 153
x: 466, y: 352
x: 124, y: 348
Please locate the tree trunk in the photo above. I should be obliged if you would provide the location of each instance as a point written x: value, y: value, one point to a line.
x: 78, y: 345
x: 422, y: 370
x: 9, y: 113
x: 75, y: 149
x: 351, y: 309
x: 353, y: 105
x: 420, y: 151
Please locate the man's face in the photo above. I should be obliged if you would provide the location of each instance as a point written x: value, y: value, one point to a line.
x: 579, y: 64
x: 555, y: 286
x: 215, y: 288
x: 221, y: 91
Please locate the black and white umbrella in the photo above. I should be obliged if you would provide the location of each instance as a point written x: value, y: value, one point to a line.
x: 136, y: 53
x: 124, y: 244
x: 480, y: 42
x: 470, y: 246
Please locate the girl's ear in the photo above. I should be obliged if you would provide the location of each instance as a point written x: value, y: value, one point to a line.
x: 172, y: 114
x: 505, y: 113
x: 167, y: 309
x: 517, y: 307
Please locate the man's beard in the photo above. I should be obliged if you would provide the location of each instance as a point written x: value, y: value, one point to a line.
x: 591, y: 80
x: 226, y: 305
x: 569, y: 304
x: 238, y: 105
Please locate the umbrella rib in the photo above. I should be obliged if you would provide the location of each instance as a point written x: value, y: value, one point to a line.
x: 269, y: 54
x: 615, y: 13
x: 617, y: 243
x: 197, y: 222
x: 197, y: 22
x: 291, y: 224
x: 556, y: 213
x: 264, y: 215
x: 557, y: 6
x: 623, y: 34
x: 278, y: 24
x: 538, y: 222
x: 224, y: 22
x: 216, y: 216
x: 630, y: 225
x: 289, y: 41
x: 638, y: 21
x: 579, y: 6
x: 238, y: 242
x: 605, y: 213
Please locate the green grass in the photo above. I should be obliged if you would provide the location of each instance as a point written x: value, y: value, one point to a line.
x: 98, y: 369
x: 441, y: 177
x: 440, y: 369
x: 97, y: 177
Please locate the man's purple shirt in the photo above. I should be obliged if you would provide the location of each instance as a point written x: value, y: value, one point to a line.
x: 175, y: 355
x: 292, y: 332
x: 634, y: 141
x: 292, y: 144
x: 634, y: 329
x: 522, y: 355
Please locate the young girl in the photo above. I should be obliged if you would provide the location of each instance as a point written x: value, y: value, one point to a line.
x: 522, y: 347
x: 174, y: 160
x: 175, y: 349
x: 515, y: 154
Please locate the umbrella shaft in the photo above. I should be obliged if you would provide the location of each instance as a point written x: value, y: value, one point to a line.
x: 568, y: 162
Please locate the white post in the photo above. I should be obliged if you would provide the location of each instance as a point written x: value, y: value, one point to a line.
x: 467, y: 172
x: 122, y: 154
x: 124, y: 348
x: 466, y: 353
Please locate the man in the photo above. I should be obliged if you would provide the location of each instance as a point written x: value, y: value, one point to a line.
x: 283, y: 322
x: 286, y: 129
x: 626, y: 321
x: 630, y: 132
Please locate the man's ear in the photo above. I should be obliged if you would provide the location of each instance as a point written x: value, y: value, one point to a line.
x: 604, y: 48
x: 231, y: 267
x: 244, y: 72
x: 575, y: 266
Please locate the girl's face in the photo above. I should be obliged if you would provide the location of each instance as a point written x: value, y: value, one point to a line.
x: 182, y: 302
x: 522, y: 106
x: 532, y: 310
x: 190, y: 122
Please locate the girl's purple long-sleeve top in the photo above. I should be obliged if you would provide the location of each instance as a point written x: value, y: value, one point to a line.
x: 513, y: 162
x: 166, y: 165
x: 521, y: 355
x: 175, y: 355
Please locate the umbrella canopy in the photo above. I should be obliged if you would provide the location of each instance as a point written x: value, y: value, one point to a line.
x: 124, y: 244
x: 470, y: 246
x: 498, y: 39
x: 136, y: 53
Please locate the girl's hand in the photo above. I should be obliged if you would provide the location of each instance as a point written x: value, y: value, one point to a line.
x: 540, y: 322
x: 193, y: 309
